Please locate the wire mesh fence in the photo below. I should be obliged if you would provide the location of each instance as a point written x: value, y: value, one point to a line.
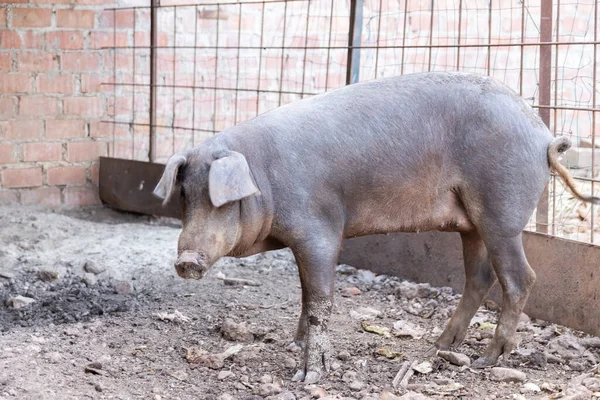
x: 209, y: 66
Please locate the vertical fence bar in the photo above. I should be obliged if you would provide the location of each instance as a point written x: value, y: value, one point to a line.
x: 354, y: 41
x: 237, y: 68
x: 216, y: 71
x: 489, y: 46
x: 431, y: 35
x: 153, y: 67
x: 404, y: 37
x: 134, y: 88
x: 114, y: 80
x: 174, y: 75
x: 305, y: 49
x: 378, y: 36
x: 283, y: 52
x: 460, y: 3
x: 545, y: 79
x: 262, y: 33
x: 194, y: 77
x: 556, y: 49
x: 594, y: 77
x: 328, y: 46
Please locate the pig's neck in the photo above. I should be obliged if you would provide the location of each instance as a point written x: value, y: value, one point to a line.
x: 256, y: 216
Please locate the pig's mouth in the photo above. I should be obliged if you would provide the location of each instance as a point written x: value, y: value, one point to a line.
x: 191, y: 265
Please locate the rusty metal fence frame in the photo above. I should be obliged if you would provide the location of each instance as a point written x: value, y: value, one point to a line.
x: 548, y: 47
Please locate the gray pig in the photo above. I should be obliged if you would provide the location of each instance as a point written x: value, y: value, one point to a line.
x: 430, y: 151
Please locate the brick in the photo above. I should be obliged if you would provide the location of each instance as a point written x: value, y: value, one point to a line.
x: 65, y: 128
x: 122, y: 18
x: 99, y: 129
x: 85, y: 151
x: 82, y: 19
x: 37, y: 61
x: 32, y: 39
x: 66, y: 176
x: 8, y: 197
x: 56, y: 1
x: 8, y: 107
x: 24, y: 129
x: 15, y: 83
x: 42, y: 152
x: 45, y: 196
x: 7, y: 154
x: 92, y: 83
x: 81, y: 196
x: 38, y: 106
x: 84, y: 106
x: 80, y: 61
x: 2, y: 16
x: 31, y: 17
x: 10, y: 40
x: 56, y: 83
x: 107, y: 39
x: 21, y: 177
x: 65, y: 40
x: 95, y: 173
x: 5, y: 62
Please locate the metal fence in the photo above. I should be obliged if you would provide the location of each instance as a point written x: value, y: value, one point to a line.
x: 182, y: 72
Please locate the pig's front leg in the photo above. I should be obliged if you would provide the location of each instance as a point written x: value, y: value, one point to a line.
x: 316, y: 264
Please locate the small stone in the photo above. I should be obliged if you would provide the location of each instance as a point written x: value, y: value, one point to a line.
x: 423, y: 368
x: 316, y: 392
x: 6, y: 275
x: 350, y: 291
x: 411, y: 290
x: 94, y: 368
x: 93, y: 268
x: 454, y: 358
x: 89, y: 279
x: 335, y: 366
x: 577, y: 365
x: 287, y: 395
x: 365, y: 276
x: 123, y: 287
x: 293, y: 348
x: 289, y: 362
x: 407, y: 329
x: 20, y: 302
x: 343, y: 355
x: 225, y: 396
x: 53, y: 357
x: 268, y: 389
x: 236, y: 332
x: 72, y: 331
x: 224, y: 375
x: 507, y: 375
x: 362, y: 313
x: 98, y: 388
x: 47, y: 275
x: 345, y: 269
x: 349, y: 376
x: 356, y: 386
x: 531, y: 387
x: 547, y: 387
x: 412, y: 396
x: 266, y: 379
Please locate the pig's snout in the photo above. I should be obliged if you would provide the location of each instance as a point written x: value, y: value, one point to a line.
x: 191, y: 265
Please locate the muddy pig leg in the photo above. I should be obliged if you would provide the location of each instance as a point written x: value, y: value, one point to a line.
x: 316, y: 264
x: 302, y: 331
x: 516, y: 278
x: 479, y: 277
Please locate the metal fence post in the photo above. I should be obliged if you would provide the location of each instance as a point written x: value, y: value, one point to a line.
x: 152, y: 111
x: 545, y: 81
x: 354, y: 41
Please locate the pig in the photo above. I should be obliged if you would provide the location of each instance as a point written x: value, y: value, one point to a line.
x: 443, y: 151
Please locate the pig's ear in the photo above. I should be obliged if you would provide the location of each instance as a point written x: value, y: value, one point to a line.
x: 167, y: 184
x: 229, y: 179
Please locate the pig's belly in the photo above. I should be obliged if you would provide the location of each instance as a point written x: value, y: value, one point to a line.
x: 407, y: 213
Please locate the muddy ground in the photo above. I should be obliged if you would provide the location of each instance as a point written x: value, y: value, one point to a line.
x: 129, y: 328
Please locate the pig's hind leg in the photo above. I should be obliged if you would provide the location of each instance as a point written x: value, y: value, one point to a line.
x: 516, y: 278
x: 479, y: 277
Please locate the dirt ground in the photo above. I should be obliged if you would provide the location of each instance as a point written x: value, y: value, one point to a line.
x: 129, y: 328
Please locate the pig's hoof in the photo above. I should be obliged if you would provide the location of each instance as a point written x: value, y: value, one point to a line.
x: 312, y: 377
x: 484, y: 362
x: 432, y: 351
x: 298, y: 376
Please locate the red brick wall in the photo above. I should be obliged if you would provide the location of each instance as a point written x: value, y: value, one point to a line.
x: 51, y: 103
x: 54, y: 57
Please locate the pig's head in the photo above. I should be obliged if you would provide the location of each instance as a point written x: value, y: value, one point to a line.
x: 212, y: 187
